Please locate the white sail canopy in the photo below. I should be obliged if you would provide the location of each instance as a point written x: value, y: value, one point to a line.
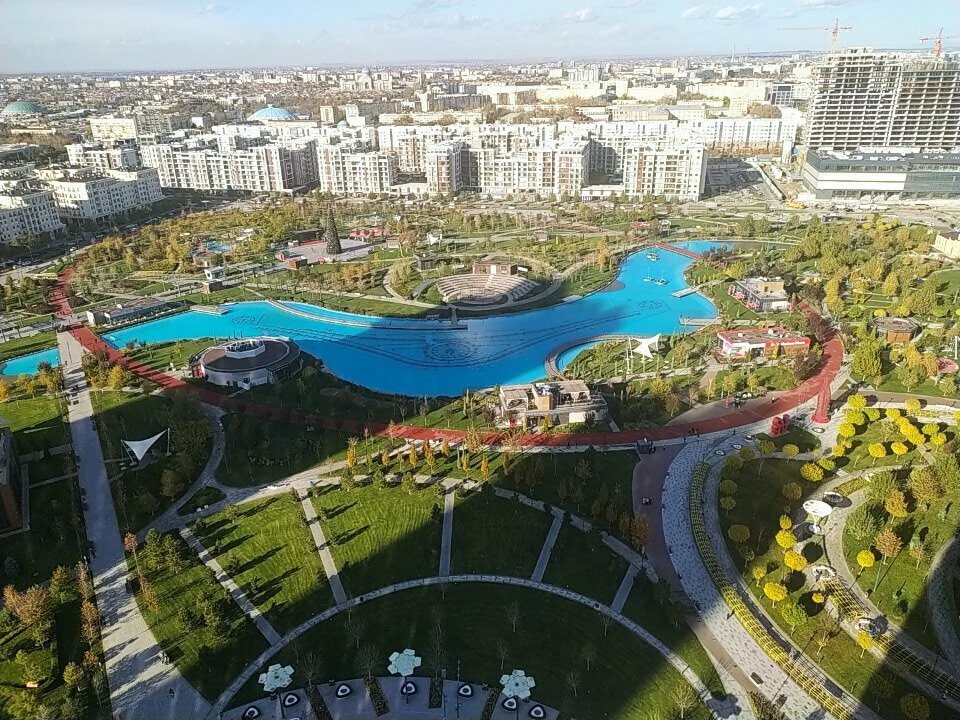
x: 139, y: 448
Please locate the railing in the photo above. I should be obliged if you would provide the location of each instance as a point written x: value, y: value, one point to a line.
x: 800, y: 670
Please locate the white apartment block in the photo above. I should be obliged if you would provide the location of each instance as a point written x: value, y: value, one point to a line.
x: 228, y: 165
x: 445, y: 166
x: 572, y: 168
x: 27, y: 211
x: 410, y: 143
x: 866, y: 98
x: 675, y: 172
x: 343, y: 172
x: 88, y: 195
x: 103, y: 157
x: 110, y: 128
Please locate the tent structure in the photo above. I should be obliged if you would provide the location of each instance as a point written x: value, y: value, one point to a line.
x: 646, y: 345
x: 137, y: 449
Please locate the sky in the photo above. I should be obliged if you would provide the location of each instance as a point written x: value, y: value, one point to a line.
x: 90, y: 35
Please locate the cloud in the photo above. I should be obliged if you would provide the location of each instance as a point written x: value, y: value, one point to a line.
x: 737, y: 13
x: 458, y: 21
x: 213, y: 8
x: 809, y: 4
x: 693, y: 12
x: 581, y: 15
x: 435, y: 4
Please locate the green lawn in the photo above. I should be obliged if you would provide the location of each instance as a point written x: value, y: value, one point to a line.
x: 36, y: 423
x: 161, y: 355
x: 271, y: 555
x: 495, y: 535
x: 859, y: 457
x: 138, y: 492
x: 208, y: 662
x: 207, y: 495
x: 15, y: 347
x: 804, y: 440
x: 381, y: 536
x: 474, y: 619
x: 759, y: 505
x: 582, y: 563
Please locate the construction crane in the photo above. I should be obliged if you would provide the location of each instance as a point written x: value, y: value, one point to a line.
x: 938, y: 41
x: 834, y: 31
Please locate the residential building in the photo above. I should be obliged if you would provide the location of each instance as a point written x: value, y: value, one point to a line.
x: 866, y: 98
x: 137, y: 125
x: 88, y: 196
x: 677, y: 172
x: 113, y: 128
x: 948, y: 242
x: 889, y: 174
x: 571, y: 168
x: 761, y: 294
x: 745, y: 343
x: 343, y: 172
x: 557, y: 403
x: 115, y: 155
x: 27, y: 210
x: 445, y: 167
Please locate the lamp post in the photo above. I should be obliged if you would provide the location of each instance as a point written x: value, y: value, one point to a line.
x: 403, y: 664
x: 517, y: 686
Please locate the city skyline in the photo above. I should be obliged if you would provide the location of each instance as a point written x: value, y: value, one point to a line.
x: 111, y: 36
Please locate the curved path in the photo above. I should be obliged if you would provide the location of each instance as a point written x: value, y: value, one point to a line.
x: 943, y: 610
x: 718, y: 709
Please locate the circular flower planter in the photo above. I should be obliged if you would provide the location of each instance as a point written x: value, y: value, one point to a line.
x: 408, y: 688
x: 510, y: 704
x: 537, y: 712
x: 465, y: 691
x: 343, y: 690
x: 251, y: 713
x: 290, y: 699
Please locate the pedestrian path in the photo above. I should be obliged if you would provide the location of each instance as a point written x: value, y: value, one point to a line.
x: 446, y: 536
x: 943, y: 609
x: 626, y: 585
x: 547, y: 549
x: 140, y: 684
x: 323, y: 547
x: 238, y: 595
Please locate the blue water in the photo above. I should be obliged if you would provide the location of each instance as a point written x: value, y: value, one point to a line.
x: 421, y: 357
x: 27, y: 364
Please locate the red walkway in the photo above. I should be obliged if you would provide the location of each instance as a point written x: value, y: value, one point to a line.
x: 785, y: 403
x: 679, y: 250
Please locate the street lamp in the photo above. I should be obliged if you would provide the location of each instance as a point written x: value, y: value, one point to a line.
x: 516, y: 686
x: 403, y: 664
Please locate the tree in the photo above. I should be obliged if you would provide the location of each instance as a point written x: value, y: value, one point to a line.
x: 331, y: 235
x: 503, y: 650
x: 765, y: 448
x: 899, y: 449
x: 924, y: 486
x: 684, y: 698
x: 794, y: 560
x: 639, y: 532
x: 73, y: 675
x: 117, y: 378
x: 758, y: 574
x: 915, y: 706
x: 728, y: 503
x: 863, y: 523
x: 912, y: 406
x: 888, y: 544
x: 60, y: 583
x: 866, y: 560
x: 368, y: 659
x: 866, y: 365
x: 847, y: 430
x: 790, y: 450
x: 857, y: 402
x: 822, y: 639
x: 588, y: 654
x: 573, y: 681
x: 794, y: 615
x: 786, y: 539
x: 738, y: 533
x: 785, y: 522
x: 513, y: 615
x: 811, y: 472
x: 896, y: 505
x: 171, y: 484
x: 918, y: 550
x: 4, y: 391
x: 792, y: 491
x: 877, y: 451
x: 775, y: 591
x: 865, y: 641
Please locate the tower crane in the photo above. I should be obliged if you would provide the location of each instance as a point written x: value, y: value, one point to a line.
x: 938, y: 41
x: 834, y: 31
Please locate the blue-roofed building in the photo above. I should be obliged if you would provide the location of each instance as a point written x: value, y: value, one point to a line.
x: 20, y: 108
x: 271, y: 113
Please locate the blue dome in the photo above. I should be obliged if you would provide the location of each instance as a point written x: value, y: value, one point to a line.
x: 23, y: 108
x: 272, y: 113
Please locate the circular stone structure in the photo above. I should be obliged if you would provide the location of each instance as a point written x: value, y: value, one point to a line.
x: 250, y: 362
x: 22, y: 107
x: 271, y: 113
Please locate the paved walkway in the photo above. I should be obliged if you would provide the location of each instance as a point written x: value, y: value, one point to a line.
x: 547, y: 549
x: 626, y: 585
x: 720, y: 709
x: 238, y: 595
x: 323, y: 547
x: 139, y: 683
x: 446, y: 535
x: 943, y: 608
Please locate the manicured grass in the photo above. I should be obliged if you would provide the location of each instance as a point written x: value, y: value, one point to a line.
x: 859, y: 457
x: 15, y: 347
x: 271, y: 555
x: 769, y: 378
x: 207, y: 495
x: 627, y: 679
x: 36, y: 423
x: 137, y: 492
x: 161, y: 356
x: 582, y: 563
x: 207, y: 662
x: 56, y: 535
x: 898, y: 586
x: 381, y: 536
x: 729, y: 307
x: 495, y: 535
x: 650, y: 607
x: 759, y: 504
x: 804, y: 440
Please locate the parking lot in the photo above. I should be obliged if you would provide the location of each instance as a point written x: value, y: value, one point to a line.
x: 730, y: 176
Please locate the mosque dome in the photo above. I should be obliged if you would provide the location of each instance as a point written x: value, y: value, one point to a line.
x: 21, y: 107
x: 272, y: 113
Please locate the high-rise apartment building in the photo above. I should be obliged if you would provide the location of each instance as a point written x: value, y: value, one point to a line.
x: 27, y: 209
x: 119, y: 155
x: 866, y: 98
x: 86, y: 195
x: 675, y: 172
x: 446, y: 167
x: 343, y: 172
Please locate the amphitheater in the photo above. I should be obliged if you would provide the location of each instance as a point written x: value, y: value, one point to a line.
x: 484, y: 289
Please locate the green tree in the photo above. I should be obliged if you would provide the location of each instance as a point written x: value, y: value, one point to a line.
x: 915, y: 706
x: 331, y: 235
x: 794, y: 615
